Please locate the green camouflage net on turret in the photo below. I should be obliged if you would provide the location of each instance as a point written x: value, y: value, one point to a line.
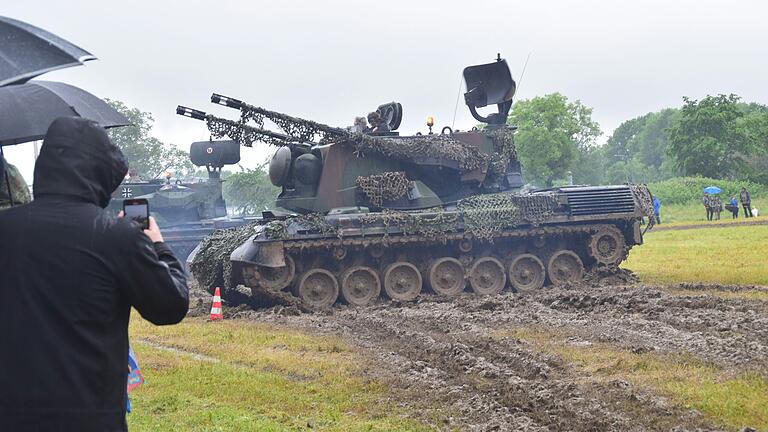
x: 297, y: 130
x: 468, y: 157
x: 504, y: 150
x: 387, y: 186
x: 212, y: 258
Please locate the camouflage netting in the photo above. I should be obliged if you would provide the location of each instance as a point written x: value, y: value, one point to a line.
x: 504, y: 150
x: 388, y: 186
x: 485, y: 215
x: 467, y: 156
x: 643, y: 197
x: 212, y: 259
x: 278, y: 229
x: 297, y: 130
x: 243, y: 134
x: 536, y: 208
x: 429, y: 223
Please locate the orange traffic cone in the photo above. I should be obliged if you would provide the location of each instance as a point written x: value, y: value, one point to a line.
x: 216, y: 307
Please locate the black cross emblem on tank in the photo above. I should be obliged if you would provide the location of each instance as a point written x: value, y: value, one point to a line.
x: 127, y: 192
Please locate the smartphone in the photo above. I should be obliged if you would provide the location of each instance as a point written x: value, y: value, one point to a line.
x: 137, y: 210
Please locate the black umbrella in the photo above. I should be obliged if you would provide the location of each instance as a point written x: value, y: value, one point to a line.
x: 26, y: 110
x: 27, y: 51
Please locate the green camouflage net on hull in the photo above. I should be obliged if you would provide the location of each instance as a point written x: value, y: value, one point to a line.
x: 278, y: 229
x: 486, y: 215
x: 645, y: 200
x: 536, y: 208
x: 483, y: 216
x: 212, y: 259
x: 429, y: 223
x: 388, y: 186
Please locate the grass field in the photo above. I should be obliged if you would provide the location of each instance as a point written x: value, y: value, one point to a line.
x: 730, y: 255
x: 236, y: 376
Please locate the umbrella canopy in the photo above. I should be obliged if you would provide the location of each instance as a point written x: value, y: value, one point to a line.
x: 26, y: 110
x: 27, y: 51
x: 712, y: 190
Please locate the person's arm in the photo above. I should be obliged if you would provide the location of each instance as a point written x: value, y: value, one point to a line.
x: 153, y: 279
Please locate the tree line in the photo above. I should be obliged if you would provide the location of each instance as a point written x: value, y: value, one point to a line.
x: 718, y: 137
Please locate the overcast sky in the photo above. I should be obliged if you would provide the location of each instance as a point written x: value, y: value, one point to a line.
x: 333, y: 60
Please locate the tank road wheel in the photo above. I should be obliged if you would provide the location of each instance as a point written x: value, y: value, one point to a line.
x: 271, y: 278
x: 318, y: 288
x: 607, y: 245
x: 565, y: 266
x: 487, y: 276
x: 526, y: 273
x: 446, y: 276
x: 360, y: 285
x: 402, y: 281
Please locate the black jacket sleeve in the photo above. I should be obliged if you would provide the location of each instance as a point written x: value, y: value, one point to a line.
x: 153, y: 280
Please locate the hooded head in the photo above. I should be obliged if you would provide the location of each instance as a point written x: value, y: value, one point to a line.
x: 78, y: 160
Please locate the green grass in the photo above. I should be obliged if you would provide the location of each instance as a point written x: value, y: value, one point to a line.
x: 733, y: 401
x: 732, y: 255
x: 253, y: 377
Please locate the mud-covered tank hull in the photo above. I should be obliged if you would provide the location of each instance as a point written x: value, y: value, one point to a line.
x: 502, y: 241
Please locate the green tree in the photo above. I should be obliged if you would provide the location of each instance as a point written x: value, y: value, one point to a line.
x: 250, y: 191
x: 712, y: 138
x: 551, y: 134
x: 146, y: 154
x: 636, y: 150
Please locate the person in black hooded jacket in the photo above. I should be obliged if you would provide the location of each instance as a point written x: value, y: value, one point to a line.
x: 69, y: 275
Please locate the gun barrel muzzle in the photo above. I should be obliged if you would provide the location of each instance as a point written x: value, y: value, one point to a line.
x: 226, y: 101
x: 191, y: 113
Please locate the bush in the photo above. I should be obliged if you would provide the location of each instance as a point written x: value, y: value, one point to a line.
x: 683, y: 190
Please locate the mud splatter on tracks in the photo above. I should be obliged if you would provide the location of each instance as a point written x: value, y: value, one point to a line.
x: 443, y: 353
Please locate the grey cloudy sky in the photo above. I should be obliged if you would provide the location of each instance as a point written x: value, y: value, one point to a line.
x: 333, y: 60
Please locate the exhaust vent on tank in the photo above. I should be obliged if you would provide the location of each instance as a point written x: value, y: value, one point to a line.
x: 586, y: 201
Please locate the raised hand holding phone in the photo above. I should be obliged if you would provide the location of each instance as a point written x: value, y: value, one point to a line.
x: 137, y: 209
x: 140, y: 214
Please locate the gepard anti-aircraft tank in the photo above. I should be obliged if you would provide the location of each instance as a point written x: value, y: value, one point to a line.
x: 374, y: 211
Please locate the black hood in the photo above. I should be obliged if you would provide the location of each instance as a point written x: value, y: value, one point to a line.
x: 78, y: 160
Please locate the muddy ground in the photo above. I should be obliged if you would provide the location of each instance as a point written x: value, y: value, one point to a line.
x: 453, y: 355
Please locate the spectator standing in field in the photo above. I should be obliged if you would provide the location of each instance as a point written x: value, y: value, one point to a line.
x: 69, y: 275
x: 746, y: 202
x: 656, y: 208
x: 708, y: 206
x: 717, y: 206
x: 733, y: 207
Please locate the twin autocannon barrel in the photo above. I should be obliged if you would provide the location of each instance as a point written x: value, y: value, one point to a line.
x: 297, y: 130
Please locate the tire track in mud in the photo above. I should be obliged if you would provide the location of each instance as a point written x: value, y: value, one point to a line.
x: 728, y: 332
x: 446, y: 353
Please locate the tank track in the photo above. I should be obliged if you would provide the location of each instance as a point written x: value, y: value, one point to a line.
x: 356, y: 270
